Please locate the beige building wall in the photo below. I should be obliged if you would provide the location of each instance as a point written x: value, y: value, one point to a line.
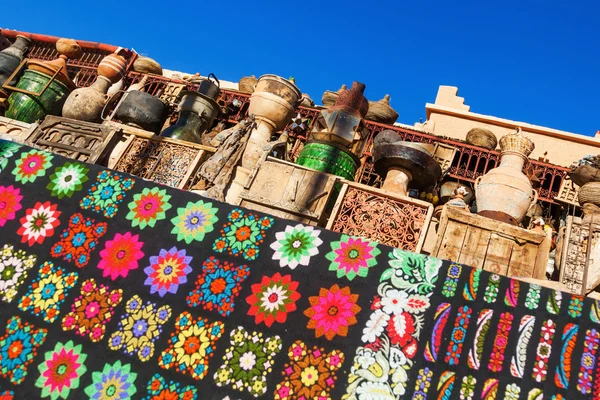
x: 449, y: 116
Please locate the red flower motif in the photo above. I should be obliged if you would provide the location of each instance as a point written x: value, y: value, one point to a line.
x: 332, y: 312
x: 273, y: 298
x: 39, y: 223
x: 9, y: 203
x: 121, y: 255
x: 401, y: 328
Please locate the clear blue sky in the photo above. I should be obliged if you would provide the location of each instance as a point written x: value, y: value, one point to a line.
x: 532, y: 61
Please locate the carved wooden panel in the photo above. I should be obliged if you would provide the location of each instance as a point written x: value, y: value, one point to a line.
x: 167, y: 161
x: 576, y: 264
x: 82, y: 141
x: 16, y: 130
x: 289, y: 191
x: 375, y: 214
x: 444, y: 155
x: 568, y: 192
x: 171, y: 92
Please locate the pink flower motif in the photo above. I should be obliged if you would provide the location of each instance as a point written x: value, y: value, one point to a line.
x: 61, y: 368
x: 9, y: 203
x: 92, y: 309
x: 332, y: 312
x: 352, y: 256
x: 121, y: 255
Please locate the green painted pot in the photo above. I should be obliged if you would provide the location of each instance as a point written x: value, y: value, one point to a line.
x: 328, y: 158
x: 29, y: 108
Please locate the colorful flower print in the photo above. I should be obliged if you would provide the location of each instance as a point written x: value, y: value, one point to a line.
x: 332, y: 312
x: 248, y: 361
x: 67, y: 179
x: 148, y: 207
x: 77, y: 242
x: 10, y: 203
x: 352, y: 257
x: 7, y: 395
x: 61, y: 370
x: 7, y: 150
x: 48, y: 291
x: 115, y: 381
x: 310, y: 374
x: 39, y: 223
x: 92, y: 311
x: 139, y: 328
x: 296, y: 245
x: 273, y: 299
x: 167, y: 271
x: 120, y: 255
x: 575, y: 306
x: 191, y: 345
x: 218, y: 286
x: 159, y: 389
x: 14, y: 265
x: 194, y: 221
x: 243, y: 234
x: 32, y: 165
x: 105, y: 195
x: 380, y: 368
x: 18, y: 348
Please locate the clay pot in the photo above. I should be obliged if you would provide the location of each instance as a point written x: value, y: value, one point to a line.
x: 11, y: 57
x: 112, y: 67
x: 482, y: 138
x: 381, y: 111
x: 306, y: 101
x: 86, y: 104
x: 505, y: 193
x: 274, y: 101
x: 68, y: 49
x: 584, y: 174
x: 147, y: 65
x: 590, y: 193
x: 247, y: 84
x: 329, y: 98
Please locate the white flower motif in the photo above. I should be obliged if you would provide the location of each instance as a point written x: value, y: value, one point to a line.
x: 273, y: 297
x: 394, y: 301
x: 296, y: 245
x: 247, y: 361
x: 365, y: 357
x: 375, y: 326
x: 8, y: 264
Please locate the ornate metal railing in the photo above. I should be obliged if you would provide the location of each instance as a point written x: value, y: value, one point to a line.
x: 469, y: 162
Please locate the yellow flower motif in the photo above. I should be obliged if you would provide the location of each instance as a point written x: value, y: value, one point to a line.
x: 55, y: 284
x: 191, y: 345
x: 258, y: 386
x: 239, y: 336
x: 309, y: 376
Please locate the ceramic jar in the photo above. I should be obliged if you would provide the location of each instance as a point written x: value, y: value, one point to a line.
x: 11, y: 57
x: 112, y: 67
x: 505, y: 193
x: 86, y: 104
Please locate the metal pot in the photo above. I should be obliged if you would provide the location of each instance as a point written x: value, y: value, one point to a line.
x: 209, y: 88
x: 142, y: 110
x: 11, y: 57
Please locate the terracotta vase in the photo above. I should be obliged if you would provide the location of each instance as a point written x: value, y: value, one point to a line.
x: 505, y: 193
x: 147, y: 65
x: 86, y: 104
x: 112, y: 67
x: 11, y: 57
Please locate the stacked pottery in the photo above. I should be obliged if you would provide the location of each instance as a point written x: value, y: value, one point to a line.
x: 44, y: 86
x: 10, y: 59
x: 86, y: 104
x: 505, y: 193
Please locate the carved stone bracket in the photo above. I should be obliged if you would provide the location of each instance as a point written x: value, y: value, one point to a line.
x: 14, y: 130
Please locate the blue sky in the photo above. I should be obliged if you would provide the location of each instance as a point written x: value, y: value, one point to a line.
x: 532, y: 61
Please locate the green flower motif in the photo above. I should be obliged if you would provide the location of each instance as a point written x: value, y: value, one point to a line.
x: 105, y: 195
x: 148, y: 207
x: 296, y: 245
x: 415, y: 273
x: 352, y: 256
x: 67, y: 179
x: 32, y: 165
x: 243, y: 234
x: 61, y: 370
x: 194, y: 221
x: 248, y: 361
x: 113, y: 382
x: 533, y: 296
x: 7, y: 150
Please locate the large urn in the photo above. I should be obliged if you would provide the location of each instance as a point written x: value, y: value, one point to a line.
x: 505, y: 193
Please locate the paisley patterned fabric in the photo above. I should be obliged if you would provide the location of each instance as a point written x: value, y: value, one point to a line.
x: 139, y: 291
